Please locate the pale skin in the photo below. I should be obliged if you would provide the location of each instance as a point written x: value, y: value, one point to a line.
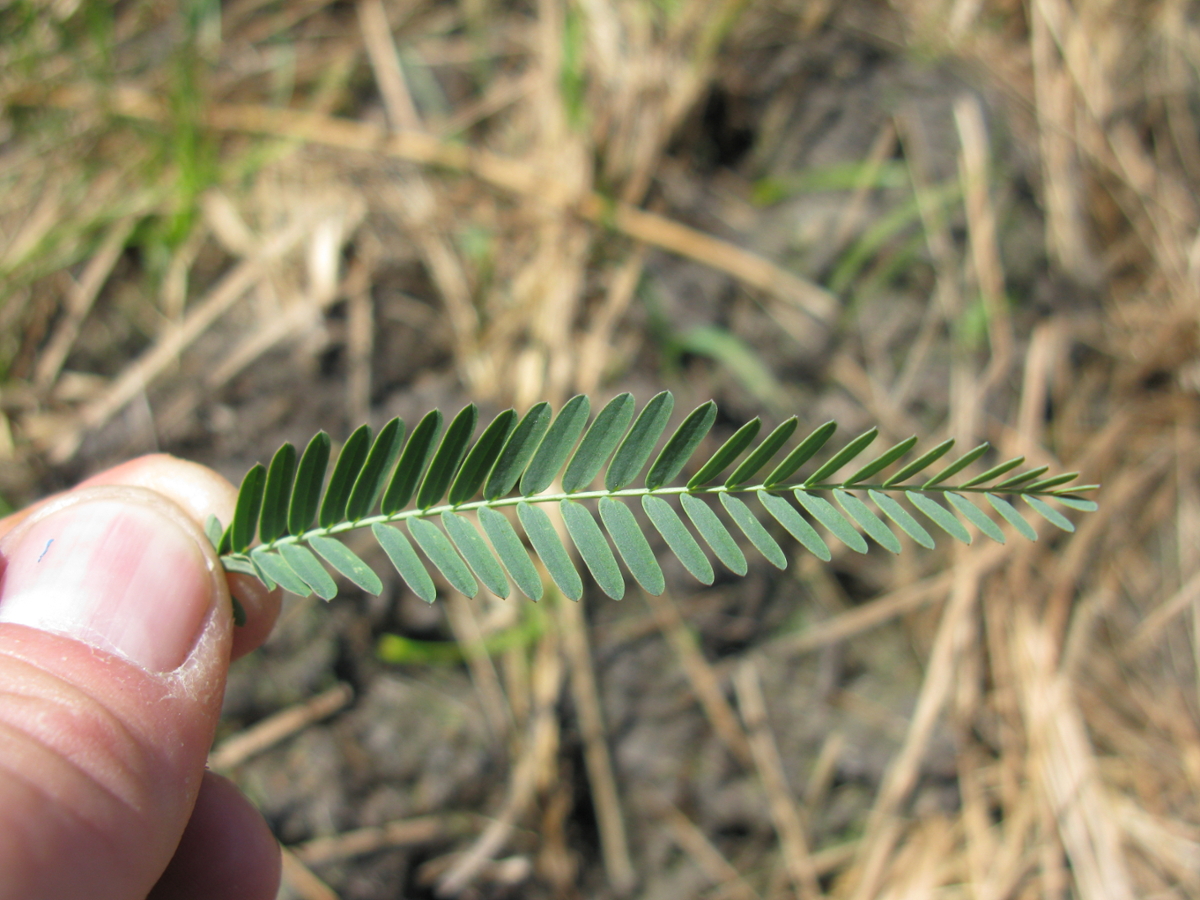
x: 115, y: 639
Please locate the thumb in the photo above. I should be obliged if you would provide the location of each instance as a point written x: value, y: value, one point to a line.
x: 114, y: 642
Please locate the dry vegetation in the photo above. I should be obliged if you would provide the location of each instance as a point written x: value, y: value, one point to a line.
x: 233, y: 223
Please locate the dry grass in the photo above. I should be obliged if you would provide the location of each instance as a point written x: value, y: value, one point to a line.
x: 185, y: 207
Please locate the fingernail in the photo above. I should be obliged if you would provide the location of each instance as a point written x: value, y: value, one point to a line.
x: 117, y: 575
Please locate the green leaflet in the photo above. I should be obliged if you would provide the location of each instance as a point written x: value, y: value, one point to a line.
x: 245, y: 514
x: 555, y: 446
x: 347, y: 562
x: 1014, y: 518
x: 678, y: 538
x: 726, y: 453
x: 941, y: 516
x: 715, y: 534
x: 975, y: 516
x: 871, y: 523
x: 481, y: 458
x: 599, y: 442
x: 762, y: 454
x: 406, y: 561
x: 823, y: 511
x: 752, y: 528
x: 633, y: 452
x: 377, y: 484
x: 517, y: 451
x: 476, y: 553
x: 310, y: 475
x: 437, y: 547
x: 412, y: 463
x: 797, y: 526
x: 369, y: 481
x: 551, y: 550
x: 272, y: 521
x: 345, y: 471
x: 625, y: 532
x: 902, y: 518
x: 593, y: 547
x: 682, y: 445
x: 511, y: 552
x: 447, y: 457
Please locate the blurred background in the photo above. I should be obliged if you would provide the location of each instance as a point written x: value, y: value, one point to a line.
x: 226, y: 225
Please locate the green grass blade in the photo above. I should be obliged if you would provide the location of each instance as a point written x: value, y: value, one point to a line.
x: 375, y: 470
x: 512, y: 553
x: 438, y: 549
x: 278, y: 570
x: 550, y: 549
x: 957, y: 466
x: 753, y: 529
x: 598, y: 443
x: 308, y: 567
x: 518, y: 450
x: 412, y: 463
x: 310, y: 475
x: 871, y: 523
x: 726, y: 453
x: 631, y: 543
x: 481, y: 458
x: 976, y: 516
x: 1010, y: 514
x: 761, y: 455
x: 1020, y: 479
x: 787, y: 516
x: 345, y: 472
x: 272, y: 522
x: 639, y: 443
x: 994, y: 472
x: 803, y: 452
x: 921, y: 463
x: 843, y: 456
x: 556, y: 446
x: 678, y: 538
x: 593, y: 547
x: 400, y: 551
x: 447, y: 457
x: 245, y: 513
x: 346, y: 561
x: 1045, y: 484
x: 882, y: 461
x: 1049, y: 513
x: 682, y: 445
x: 825, y: 513
x: 715, y: 534
x: 1079, y: 503
x: 476, y: 552
x: 941, y: 516
x: 902, y: 518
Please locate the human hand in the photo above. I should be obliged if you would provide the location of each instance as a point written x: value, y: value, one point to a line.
x: 115, y: 638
